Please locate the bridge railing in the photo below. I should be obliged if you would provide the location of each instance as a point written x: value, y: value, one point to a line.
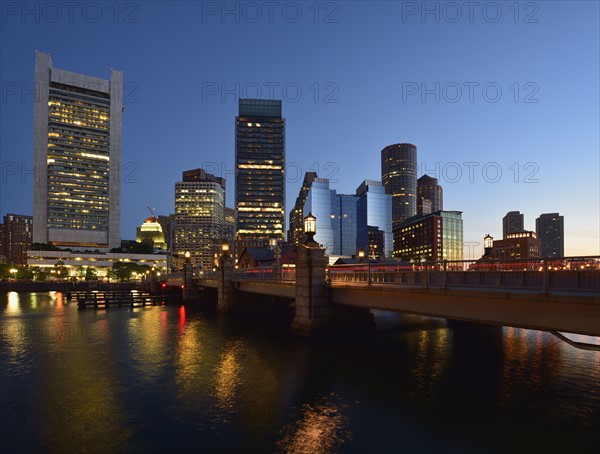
x: 581, y: 273
x: 272, y: 273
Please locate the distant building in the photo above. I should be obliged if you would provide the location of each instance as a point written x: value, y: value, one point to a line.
x: 296, y: 231
x: 229, y: 232
x: 430, y: 196
x: 77, y: 158
x: 431, y: 237
x: 399, y: 177
x: 17, y: 236
x: 259, y: 170
x: 376, y: 249
x: 199, y: 218
x: 516, y: 245
x: 550, y: 229
x: 374, y: 209
x: 511, y: 223
x: 166, y: 222
x: 151, y: 232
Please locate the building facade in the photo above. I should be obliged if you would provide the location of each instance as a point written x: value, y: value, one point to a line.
x: 151, y: 232
x: 77, y: 158
x: 517, y: 245
x: 322, y: 203
x: 17, y: 236
x: 513, y: 222
x: 430, y: 195
x: 430, y: 237
x: 259, y: 170
x: 550, y: 229
x: 399, y: 177
x: 296, y: 231
x: 374, y: 210
x: 199, y: 218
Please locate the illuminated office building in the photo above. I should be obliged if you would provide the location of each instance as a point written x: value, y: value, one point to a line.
x: 151, y: 232
x: 399, y: 177
x: 431, y: 237
x: 77, y: 158
x: 259, y: 175
x: 517, y: 245
x: 199, y: 218
x: 15, y: 238
x: 550, y: 228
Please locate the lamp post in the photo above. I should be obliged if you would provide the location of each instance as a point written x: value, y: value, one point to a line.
x: 225, y: 249
x: 310, y: 229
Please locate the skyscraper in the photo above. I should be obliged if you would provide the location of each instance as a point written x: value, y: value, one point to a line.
x: 199, y: 217
x: 399, y: 177
x: 512, y: 223
x: 16, y: 238
x: 322, y: 203
x: 430, y: 196
x: 296, y: 232
x: 550, y: 229
x: 77, y: 157
x: 435, y: 236
x: 374, y: 210
x: 259, y: 175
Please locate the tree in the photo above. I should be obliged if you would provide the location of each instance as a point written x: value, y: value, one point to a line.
x: 91, y: 274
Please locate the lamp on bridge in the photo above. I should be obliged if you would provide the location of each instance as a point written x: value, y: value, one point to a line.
x: 361, y: 255
x: 310, y: 228
x: 225, y: 248
x: 488, y: 245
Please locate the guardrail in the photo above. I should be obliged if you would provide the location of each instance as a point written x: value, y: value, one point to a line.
x: 580, y: 273
x: 273, y: 273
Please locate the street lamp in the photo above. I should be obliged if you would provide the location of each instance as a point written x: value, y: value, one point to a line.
x: 310, y: 228
x: 187, y: 254
x: 225, y: 248
x: 13, y: 272
x: 361, y: 255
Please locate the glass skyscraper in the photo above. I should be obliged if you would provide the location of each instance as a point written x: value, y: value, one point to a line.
x: 77, y: 157
x: 374, y: 209
x: 296, y: 232
x: 399, y: 177
x: 322, y: 202
x: 259, y: 175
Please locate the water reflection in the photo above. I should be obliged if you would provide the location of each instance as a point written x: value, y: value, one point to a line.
x: 13, y: 307
x: 228, y: 374
x: 321, y: 428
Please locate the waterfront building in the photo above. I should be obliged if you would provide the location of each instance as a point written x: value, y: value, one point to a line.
x: 511, y: 223
x: 151, y: 232
x: 72, y: 261
x: 516, y: 245
x: 199, y: 218
x: 16, y: 235
x: 430, y: 237
x: 430, y: 195
x: 77, y: 158
x: 550, y: 229
x: 259, y: 174
x: 399, y: 177
x: 374, y: 209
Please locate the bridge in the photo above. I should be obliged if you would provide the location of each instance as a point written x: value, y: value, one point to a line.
x: 557, y: 295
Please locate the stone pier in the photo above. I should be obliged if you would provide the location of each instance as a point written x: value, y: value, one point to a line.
x: 226, y: 289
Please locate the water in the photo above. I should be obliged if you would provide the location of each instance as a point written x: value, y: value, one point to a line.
x: 175, y: 378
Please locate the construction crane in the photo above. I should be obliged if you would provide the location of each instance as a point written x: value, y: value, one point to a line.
x: 152, y: 211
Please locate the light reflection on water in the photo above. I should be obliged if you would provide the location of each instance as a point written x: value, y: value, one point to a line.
x: 137, y: 379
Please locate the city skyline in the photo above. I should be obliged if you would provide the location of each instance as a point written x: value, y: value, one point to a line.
x: 524, y: 141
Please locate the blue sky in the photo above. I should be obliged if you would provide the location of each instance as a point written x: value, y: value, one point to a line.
x: 502, y: 102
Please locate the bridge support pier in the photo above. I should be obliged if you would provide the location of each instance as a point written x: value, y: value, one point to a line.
x: 226, y: 290
x: 315, y: 315
x: 190, y: 293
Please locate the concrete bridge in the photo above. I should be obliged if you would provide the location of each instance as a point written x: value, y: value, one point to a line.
x: 559, y: 295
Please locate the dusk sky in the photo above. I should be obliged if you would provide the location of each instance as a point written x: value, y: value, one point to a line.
x: 500, y: 98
